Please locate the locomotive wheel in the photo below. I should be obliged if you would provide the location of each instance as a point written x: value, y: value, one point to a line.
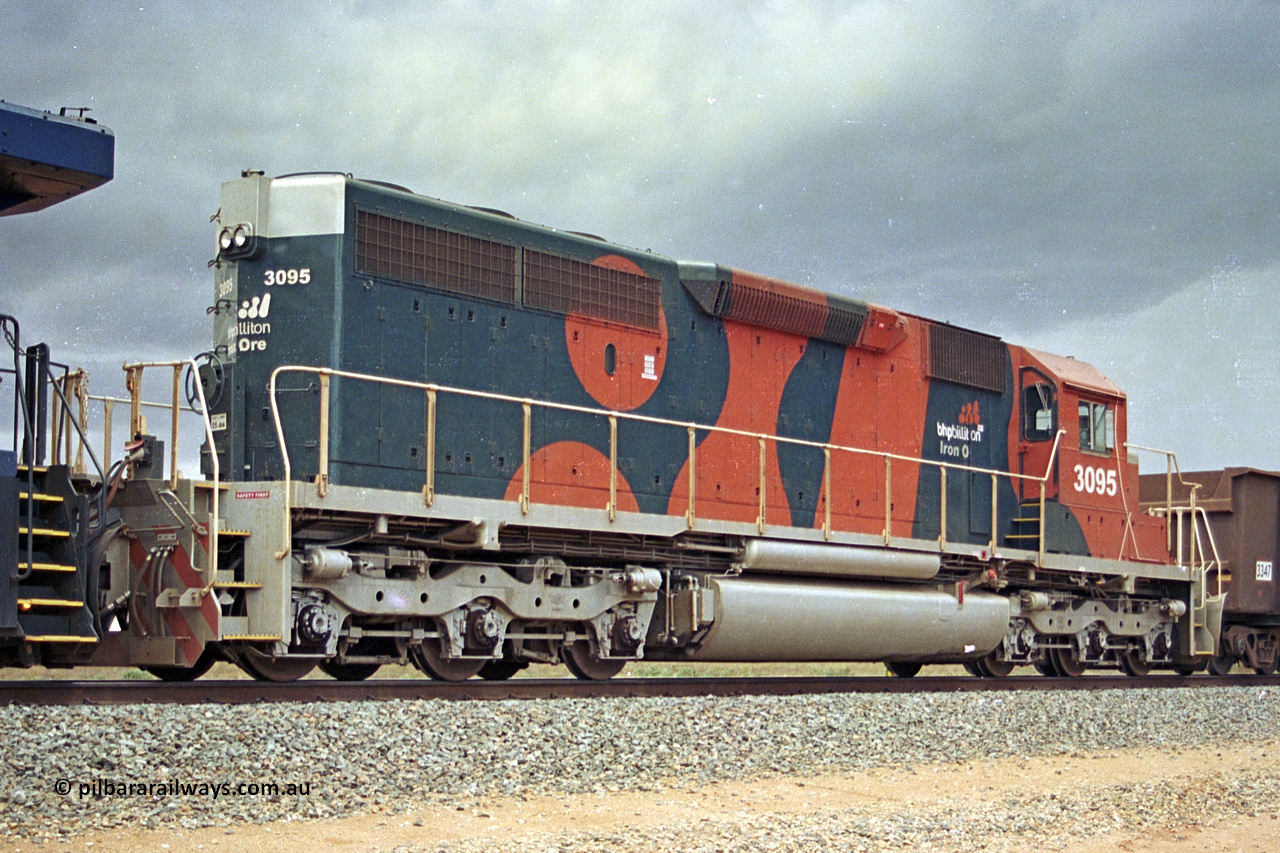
x: 974, y: 669
x: 348, y: 671
x: 501, y: 670
x: 264, y: 668
x: 1066, y: 663
x: 1046, y: 667
x: 992, y: 667
x: 184, y: 673
x: 429, y: 658
x: 1221, y: 664
x: 357, y: 671
x: 902, y: 668
x: 1133, y: 662
x: 1266, y: 670
x: 584, y: 664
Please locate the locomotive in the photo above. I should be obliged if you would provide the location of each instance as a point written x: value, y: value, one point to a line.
x: 436, y: 434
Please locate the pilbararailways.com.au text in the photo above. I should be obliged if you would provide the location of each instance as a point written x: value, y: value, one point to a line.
x: 101, y: 789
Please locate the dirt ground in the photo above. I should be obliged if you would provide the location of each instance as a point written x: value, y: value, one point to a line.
x: 886, y: 790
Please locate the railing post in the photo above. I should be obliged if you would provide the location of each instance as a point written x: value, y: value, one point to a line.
x: 760, y: 522
x: 1040, y: 561
x: 527, y: 407
x: 613, y: 467
x: 133, y: 383
x: 322, y: 463
x: 108, y: 412
x: 429, y: 441
x: 826, y: 497
x: 942, y: 513
x: 995, y: 514
x: 693, y: 475
x: 888, y: 498
x: 173, y: 425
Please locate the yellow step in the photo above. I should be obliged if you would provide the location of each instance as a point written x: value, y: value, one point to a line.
x: 29, y: 603
x: 43, y: 531
x: 59, y: 638
x: 47, y: 567
x: 54, y: 499
x: 236, y: 585
x: 252, y: 638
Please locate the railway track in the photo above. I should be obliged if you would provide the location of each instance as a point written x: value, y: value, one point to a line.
x: 249, y: 692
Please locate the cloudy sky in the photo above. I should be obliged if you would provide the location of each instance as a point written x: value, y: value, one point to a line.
x: 1100, y: 180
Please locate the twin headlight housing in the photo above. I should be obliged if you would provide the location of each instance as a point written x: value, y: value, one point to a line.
x: 237, y: 241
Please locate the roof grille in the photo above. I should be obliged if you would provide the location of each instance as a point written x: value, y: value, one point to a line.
x: 411, y: 252
x: 567, y: 286
x: 966, y: 357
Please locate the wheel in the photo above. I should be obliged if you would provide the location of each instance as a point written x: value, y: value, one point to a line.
x: 1066, y: 663
x: 1222, y: 664
x: 357, y: 671
x: 348, y: 671
x: 1266, y: 670
x: 184, y: 673
x: 902, y: 668
x: 1133, y: 662
x: 1046, y: 667
x: 974, y: 668
x: 429, y: 658
x: 584, y: 664
x: 992, y: 667
x: 265, y: 668
x: 501, y: 670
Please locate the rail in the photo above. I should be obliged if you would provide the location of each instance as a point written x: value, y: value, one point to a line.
x: 133, y: 383
x: 432, y: 391
x: 1197, y: 557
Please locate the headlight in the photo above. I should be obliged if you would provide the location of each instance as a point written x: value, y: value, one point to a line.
x: 224, y: 239
x: 241, y: 236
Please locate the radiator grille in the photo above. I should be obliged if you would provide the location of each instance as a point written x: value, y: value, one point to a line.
x: 967, y: 358
x: 407, y: 251
x: 574, y: 287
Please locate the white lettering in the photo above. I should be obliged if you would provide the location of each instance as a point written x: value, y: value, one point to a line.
x: 281, y: 278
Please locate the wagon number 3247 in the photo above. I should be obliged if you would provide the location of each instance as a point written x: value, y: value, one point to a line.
x: 1095, y: 481
x: 280, y: 278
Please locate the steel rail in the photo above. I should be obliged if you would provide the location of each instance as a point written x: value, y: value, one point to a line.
x: 31, y: 693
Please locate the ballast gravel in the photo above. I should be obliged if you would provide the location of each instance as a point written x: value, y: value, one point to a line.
x: 67, y: 770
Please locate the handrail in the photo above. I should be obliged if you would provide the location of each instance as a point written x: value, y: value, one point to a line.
x: 108, y: 413
x: 133, y: 382
x: 1172, y: 467
x: 432, y: 390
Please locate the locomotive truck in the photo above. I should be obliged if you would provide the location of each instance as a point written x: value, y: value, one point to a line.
x: 436, y: 434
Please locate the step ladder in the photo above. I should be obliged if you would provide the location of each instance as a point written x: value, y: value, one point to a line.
x: 1026, y: 527
x: 48, y: 583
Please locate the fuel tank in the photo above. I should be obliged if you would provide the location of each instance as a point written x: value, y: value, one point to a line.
x: 793, y: 619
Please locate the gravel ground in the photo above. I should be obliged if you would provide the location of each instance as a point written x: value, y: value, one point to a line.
x: 396, y: 756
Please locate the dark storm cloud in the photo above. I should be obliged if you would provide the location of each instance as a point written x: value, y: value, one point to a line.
x: 1038, y: 170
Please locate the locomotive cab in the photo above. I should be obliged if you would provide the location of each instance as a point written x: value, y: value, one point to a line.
x: 1073, y: 425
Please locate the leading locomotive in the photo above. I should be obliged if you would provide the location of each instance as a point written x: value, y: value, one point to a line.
x: 440, y: 435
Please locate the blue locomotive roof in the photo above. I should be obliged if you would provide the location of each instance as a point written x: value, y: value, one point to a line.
x: 47, y: 158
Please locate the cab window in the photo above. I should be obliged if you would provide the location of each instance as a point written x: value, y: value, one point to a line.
x: 1097, y: 427
x: 1037, y: 412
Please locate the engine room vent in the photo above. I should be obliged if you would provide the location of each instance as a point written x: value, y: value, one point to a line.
x: 774, y: 304
x: 567, y: 286
x: 415, y: 253
x: 966, y: 357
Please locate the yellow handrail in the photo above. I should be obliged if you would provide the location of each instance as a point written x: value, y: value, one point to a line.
x: 527, y: 405
x: 133, y: 381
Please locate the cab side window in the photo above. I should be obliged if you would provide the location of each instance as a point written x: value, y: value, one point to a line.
x: 1037, y: 412
x: 1097, y: 427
